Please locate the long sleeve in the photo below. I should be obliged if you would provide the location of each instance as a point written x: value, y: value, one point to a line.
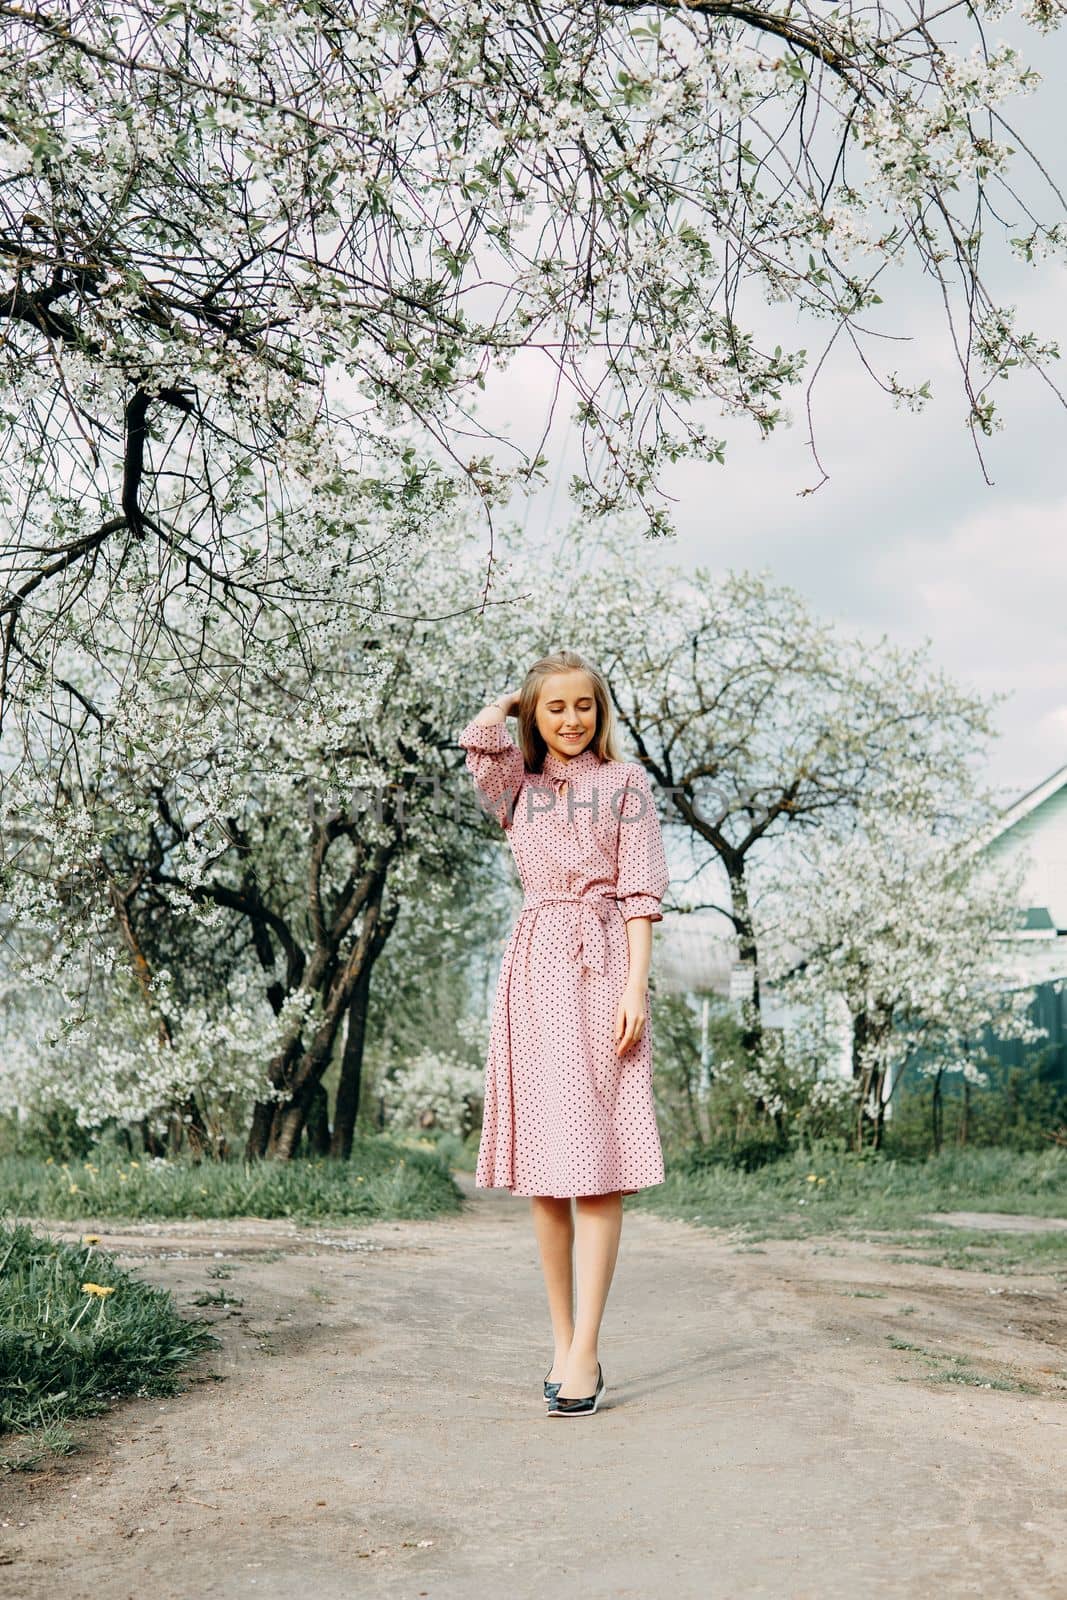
x: 496, y: 764
x: 642, y: 876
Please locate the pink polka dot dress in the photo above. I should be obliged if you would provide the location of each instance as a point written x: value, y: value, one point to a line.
x: 564, y: 1113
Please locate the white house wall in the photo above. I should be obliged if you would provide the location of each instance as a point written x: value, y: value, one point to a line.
x: 1040, y: 838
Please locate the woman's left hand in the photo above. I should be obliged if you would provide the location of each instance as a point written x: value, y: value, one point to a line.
x: 630, y: 1017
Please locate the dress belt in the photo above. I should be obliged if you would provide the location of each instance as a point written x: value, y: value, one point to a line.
x: 589, y: 942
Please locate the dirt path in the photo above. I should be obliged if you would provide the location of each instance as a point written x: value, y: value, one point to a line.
x: 380, y: 1430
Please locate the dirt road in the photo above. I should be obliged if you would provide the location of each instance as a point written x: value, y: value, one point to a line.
x: 375, y: 1426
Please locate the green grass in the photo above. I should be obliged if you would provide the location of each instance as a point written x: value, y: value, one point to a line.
x: 65, y: 1352
x: 458, y: 1153
x: 974, y: 1250
x: 959, y: 1369
x: 805, y: 1194
x: 383, y: 1179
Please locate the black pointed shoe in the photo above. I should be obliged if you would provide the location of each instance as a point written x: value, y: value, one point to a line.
x: 551, y: 1390
x: 561, y: 1406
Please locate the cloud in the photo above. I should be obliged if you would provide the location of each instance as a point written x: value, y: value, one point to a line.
x: 989, y: 590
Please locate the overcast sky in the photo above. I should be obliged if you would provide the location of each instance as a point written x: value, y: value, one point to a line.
x: 905, y: 538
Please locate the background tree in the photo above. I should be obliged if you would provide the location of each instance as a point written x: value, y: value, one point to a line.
x: 433, y: 987
x: 261, y: 858
x: 758, y: 721
x: 259, y: 263
x: 910, y: 933
x: 234, y: 838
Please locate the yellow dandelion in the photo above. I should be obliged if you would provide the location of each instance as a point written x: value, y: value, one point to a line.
x: 90, y: 1238
x: 135, y: 1163
x: 98, y: 1289
x: 813, y: 1177
x: 73, y: 1188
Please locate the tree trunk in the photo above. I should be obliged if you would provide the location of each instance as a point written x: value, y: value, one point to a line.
x: 318, y: 1122
x: 747, y: 952
x: 696, y: 1132
x: 871, y: 1032
x: 259, y: 1132
x: 188, y: 1124
x: 861, y: 1109
x: 748, y: 956
x: 860, y: 1071
x: 152, y: 1146
x: 878, y: 1081
x: 296, y: 1069
x: 860, y: 1032
x: 346, y: 1108
x: 291, y: 1114
x: 879, y: 1123
x: 288, y: 1126
x: 965, y: 1116
x: 937, y: 1113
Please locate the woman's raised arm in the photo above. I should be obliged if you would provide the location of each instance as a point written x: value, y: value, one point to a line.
x: 494, y: 760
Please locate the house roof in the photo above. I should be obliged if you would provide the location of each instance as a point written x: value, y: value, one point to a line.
x: 1038, y: 919
x: 1029, y: 802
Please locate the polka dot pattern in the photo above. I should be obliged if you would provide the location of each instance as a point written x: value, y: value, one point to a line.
x: 564, y: 1114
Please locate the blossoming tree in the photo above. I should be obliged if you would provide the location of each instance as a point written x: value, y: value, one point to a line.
x: 211, y: 887
x: 260, y: 261
x: 909, y: 933
x: 757, y: 722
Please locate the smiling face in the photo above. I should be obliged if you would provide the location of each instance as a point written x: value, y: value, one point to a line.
x: 566, y: 713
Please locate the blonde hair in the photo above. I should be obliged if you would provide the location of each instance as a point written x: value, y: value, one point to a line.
x: 532, y: 745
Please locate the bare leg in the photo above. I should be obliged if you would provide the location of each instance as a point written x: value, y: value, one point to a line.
x: 597, y: 1230
x: 553, y: 1222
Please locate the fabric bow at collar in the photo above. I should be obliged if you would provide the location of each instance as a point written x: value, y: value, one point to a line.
x: 558, y: 768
